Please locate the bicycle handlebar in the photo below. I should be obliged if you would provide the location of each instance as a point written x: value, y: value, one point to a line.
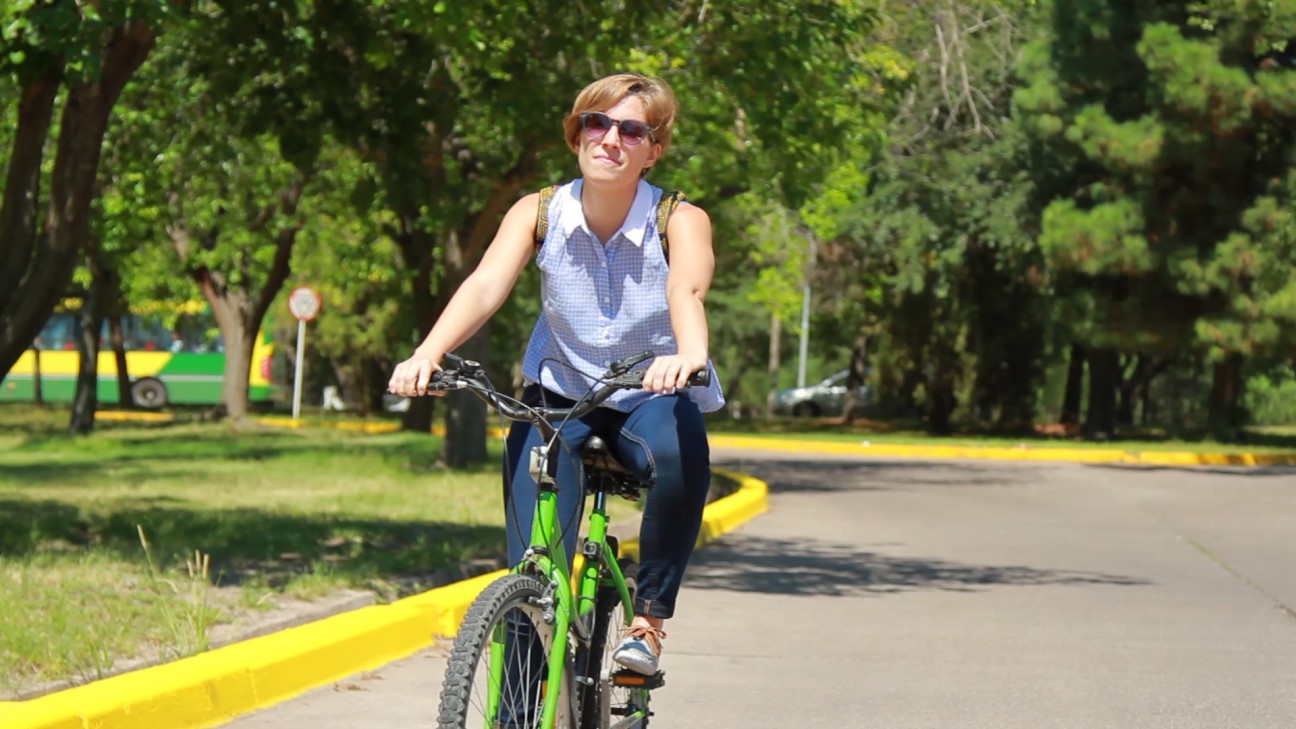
x: 463, y: 374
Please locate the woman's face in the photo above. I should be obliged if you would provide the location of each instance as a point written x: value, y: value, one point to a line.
x: 610, y: 157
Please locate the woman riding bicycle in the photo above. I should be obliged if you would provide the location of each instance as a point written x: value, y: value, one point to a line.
x: 609, y: 292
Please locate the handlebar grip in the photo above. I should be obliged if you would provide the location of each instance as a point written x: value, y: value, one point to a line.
x: 701, y: 378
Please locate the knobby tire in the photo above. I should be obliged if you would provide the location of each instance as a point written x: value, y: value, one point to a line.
x: 507, y: 607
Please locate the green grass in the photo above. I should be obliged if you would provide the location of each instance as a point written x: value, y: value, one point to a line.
x: 70, y: 616
x: 271, y: 511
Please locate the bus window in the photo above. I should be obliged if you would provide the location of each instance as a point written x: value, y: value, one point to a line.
x: 59, y: 333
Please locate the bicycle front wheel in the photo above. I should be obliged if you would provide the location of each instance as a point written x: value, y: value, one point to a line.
x: 498, y: 670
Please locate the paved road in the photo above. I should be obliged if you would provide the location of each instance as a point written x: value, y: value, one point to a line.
x: 905, y: 594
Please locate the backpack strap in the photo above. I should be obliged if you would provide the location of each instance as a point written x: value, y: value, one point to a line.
x: 669, y: 201
x: 542, y: 215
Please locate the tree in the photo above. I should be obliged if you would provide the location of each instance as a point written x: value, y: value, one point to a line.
x: 1166, y: 136
x: 357, y: 271
x: 225, y: 194
x: 939, y: 230
x: 83, y: 55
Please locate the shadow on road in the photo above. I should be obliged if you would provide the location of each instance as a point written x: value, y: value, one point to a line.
x: 814, y: 476
x: 1250, y: 471
x: 809, y: 567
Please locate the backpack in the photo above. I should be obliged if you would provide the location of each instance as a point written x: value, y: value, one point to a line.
x: 669, y: 201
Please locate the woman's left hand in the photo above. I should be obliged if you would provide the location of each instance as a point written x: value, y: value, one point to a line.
x: 671, y: 372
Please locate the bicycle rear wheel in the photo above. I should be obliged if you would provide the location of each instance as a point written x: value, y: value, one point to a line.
x: 497, y: 672
x: 605, y: 704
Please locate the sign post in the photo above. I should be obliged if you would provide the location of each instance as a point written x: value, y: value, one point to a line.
x: 304, y: 303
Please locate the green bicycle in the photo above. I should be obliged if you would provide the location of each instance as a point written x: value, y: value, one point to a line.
x: 535, y: 651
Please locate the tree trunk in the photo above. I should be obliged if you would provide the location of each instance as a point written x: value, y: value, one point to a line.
x: 38, y: 390
x: 1135, y: 388
x: 1226, y: 415
x: 44, y: 269
x: 91, y: 319
x: 18, y: 210
x: 940, y: 406
x: 376, y: 375
x: 772, y: 370
x: 465, y: 422
x: 240, y: 308
x: 1104, y: 378
x: 1125, y: 391
x: 124, y: 395
x: 417, y: 248
x: 465, y: 439
x: 239, y: 342
x: 352, y: 380
x: 1074, y: 387
x: 86, y: 400
x: 855, y: 378
x: 941, y: 399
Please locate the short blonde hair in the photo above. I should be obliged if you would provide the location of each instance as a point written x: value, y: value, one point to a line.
x: 660, y: 105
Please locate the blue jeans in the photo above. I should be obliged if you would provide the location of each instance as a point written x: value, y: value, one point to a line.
x: 663, y: 443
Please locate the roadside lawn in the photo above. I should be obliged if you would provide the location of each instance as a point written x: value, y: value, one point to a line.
x: 137, y: 541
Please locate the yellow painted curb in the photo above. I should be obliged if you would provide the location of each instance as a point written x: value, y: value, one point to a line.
x: 134, y: 415
x: 1023, y: 453
x: 363, y: 426
x: 727, y: 514
x: 213, y: 688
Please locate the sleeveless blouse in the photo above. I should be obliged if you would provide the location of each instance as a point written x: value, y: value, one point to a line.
x: 602, y: 303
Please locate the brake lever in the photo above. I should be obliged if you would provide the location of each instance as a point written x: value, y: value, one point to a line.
x: 445, y: 380
x: 622, y: 366
x: 634, y: 378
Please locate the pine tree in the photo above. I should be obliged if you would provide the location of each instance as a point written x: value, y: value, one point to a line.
x: 1165, y: 136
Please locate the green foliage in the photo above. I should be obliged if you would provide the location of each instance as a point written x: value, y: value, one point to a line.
x: 343, y: 253
x: 1165, y: 142
x: 65, y: 36
x: 929, y: 254
x: 1271, y: 397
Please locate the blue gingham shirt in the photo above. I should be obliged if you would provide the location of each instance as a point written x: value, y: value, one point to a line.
x: 601, y: 302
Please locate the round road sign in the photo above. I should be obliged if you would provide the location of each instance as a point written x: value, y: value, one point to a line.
x: 304, y: 302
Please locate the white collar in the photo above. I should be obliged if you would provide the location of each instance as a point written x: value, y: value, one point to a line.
x: 635, y: 226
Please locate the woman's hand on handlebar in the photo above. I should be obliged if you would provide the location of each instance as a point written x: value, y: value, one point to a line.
x: 412, y: 376
x: 669, y: 373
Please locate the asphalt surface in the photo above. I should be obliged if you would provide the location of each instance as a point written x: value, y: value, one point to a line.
x: 900, y: 593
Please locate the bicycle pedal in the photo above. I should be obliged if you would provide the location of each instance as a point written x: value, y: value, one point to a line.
x: 632, y: 679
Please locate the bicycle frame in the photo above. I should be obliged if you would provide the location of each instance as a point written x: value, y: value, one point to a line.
x: 568, y: 607
x: 547, y: 558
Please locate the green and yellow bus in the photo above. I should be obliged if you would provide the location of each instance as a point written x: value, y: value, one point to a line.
x: 183, y: 364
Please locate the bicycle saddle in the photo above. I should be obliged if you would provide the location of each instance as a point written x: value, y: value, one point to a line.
x: 604, y: 473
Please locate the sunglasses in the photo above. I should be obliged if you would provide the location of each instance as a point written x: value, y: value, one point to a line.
x: 631, y: 132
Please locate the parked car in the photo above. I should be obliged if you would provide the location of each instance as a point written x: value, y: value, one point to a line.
x: 825, y: 398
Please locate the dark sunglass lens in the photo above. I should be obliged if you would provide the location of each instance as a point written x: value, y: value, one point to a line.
x: 595, y: 122
x: 633, y: 130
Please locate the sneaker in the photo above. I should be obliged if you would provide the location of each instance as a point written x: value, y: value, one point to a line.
x: 639, y: 649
